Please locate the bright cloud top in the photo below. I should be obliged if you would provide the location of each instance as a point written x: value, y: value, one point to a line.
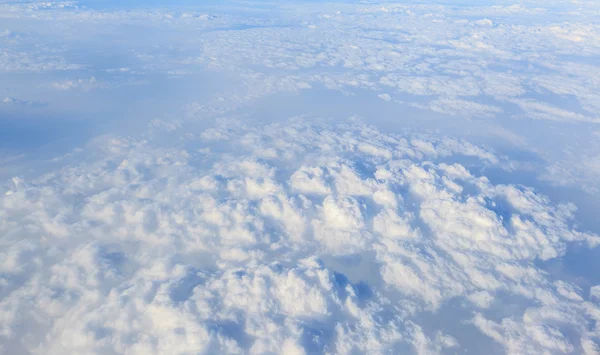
x: 299, y: 178
x: 296, y: 237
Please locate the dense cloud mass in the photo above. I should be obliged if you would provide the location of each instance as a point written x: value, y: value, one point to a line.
x: 295, y: 237
x: 299, y: 178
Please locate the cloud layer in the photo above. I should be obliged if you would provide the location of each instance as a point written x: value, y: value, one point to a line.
x: 296, y: 237
x: 323, y: 178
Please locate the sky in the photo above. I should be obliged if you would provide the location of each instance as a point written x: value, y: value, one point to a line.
x: 299, y: 177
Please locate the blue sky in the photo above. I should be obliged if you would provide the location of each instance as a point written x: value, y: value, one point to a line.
x: 299, y: 177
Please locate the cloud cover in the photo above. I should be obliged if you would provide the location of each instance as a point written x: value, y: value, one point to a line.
x: 295, y: 237
x: 239, y: 227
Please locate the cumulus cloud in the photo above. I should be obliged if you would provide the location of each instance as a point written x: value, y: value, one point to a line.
x: 143, y: 251
x: 81, y: 84
x: 217, y: 232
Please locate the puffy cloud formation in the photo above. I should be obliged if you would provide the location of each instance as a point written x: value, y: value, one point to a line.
x: 295, y: 237
x: 232, y: 228
x: 79, y: 84
x: 527, y: 69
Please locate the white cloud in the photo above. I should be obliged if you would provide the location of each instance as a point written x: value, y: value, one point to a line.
x: 14, y: 101
x: 217, y: 232
x: 455, y: 107
x: 484, y: 22
x: 385, y: 97
x: 540, y: 110
x: 142, y: 252
x: 86, y: 85
x: 12, y: 61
